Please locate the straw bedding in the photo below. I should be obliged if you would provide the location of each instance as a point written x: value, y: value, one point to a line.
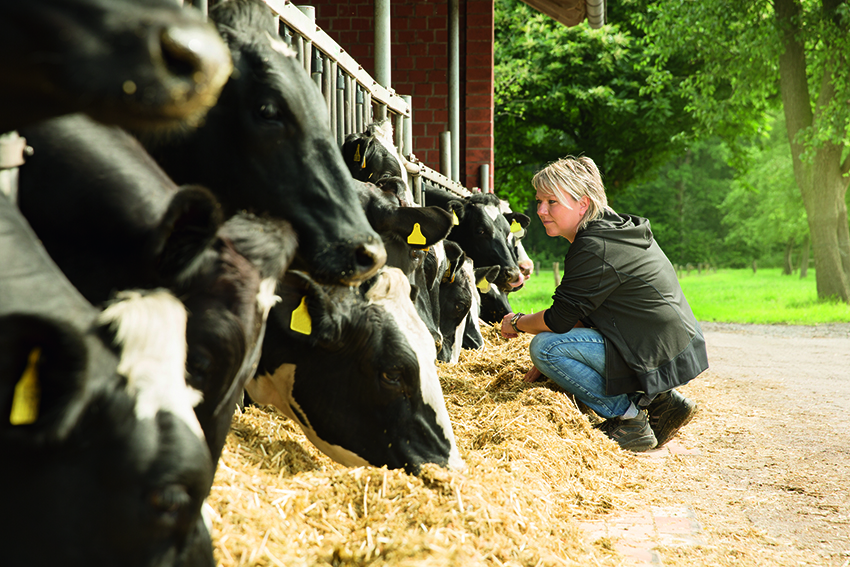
x: 535, y: 468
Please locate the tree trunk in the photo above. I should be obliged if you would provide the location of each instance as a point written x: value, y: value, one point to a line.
x: 788, y: 266
x: 804, y: 258
x: 820, y: 181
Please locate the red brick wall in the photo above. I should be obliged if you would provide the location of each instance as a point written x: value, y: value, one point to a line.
x: 420, y: 69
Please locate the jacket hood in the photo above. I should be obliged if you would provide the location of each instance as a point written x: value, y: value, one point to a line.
x: 627, y: 229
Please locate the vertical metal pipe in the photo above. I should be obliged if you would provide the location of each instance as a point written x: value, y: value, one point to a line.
x: 327, y: 88
x: 349, y: 112
x: 407, y: 148
x: 398, y: 130
x: 360, y: 113
x: 369, y: 115
x: 318, y: 68
x: 310, y: 12
x: 418, y: 196
x: 484, y: 174
x: 299, y: 48
x: 446, y: 153
x: 340, y: 106
x: 383, y: 46
x: 454, y: 86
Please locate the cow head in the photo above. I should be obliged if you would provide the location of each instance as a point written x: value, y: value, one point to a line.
x: 266, y: 147
x: 481, y: 279
x: 104, y: 451
x: 228, y: 297
x: 405, y: 231
x: 455, y: 296
x: 355, y: 369
x: 141, y: 63
x: 372, y: 156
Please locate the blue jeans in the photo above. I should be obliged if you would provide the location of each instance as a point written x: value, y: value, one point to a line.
x: 576, y: 362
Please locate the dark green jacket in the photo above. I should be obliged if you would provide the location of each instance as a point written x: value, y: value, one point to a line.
x: 618, y: 280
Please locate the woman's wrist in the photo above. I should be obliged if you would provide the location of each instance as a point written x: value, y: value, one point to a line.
x: 515, y: 320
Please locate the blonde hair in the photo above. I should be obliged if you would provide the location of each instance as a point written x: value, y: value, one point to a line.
x: 577, y: 177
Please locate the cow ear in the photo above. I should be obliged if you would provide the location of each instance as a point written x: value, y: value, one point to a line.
x: 42, y: 370
x: 187, y: 229
x: 306, y: 309
x: 486, y: 273
x: 455, y: 257
x: 457, y: 208
x: 422, y: 226
x: 518, y: 223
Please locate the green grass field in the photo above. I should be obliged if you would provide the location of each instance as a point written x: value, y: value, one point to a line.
x: 729, y: 296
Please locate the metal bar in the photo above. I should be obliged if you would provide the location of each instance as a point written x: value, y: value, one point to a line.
x: 327, y: 88
x: 349, y: 111
x: 454, y: 87
x: 417, y: 190
x: 484, y: 175
x: 299, y: 48
x: 299, y: 23
x: 310, y: 12
x: 407, y: 149
x: 446, y: 153
x: 439, y: 179
x: 383, y: 44
x: 398, y: 130
x: 369, y: 109
x: 318, y: 68
x: 360, y: 113
x: 340, y: 106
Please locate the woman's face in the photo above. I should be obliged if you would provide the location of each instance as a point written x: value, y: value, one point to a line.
x: 560, y: 219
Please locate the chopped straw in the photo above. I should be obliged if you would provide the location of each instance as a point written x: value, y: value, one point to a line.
x: 536, y: 467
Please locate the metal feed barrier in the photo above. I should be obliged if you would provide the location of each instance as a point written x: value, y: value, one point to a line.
x: 354, y: 98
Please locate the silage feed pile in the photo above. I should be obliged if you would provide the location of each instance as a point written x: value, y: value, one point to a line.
x: 536, y: 468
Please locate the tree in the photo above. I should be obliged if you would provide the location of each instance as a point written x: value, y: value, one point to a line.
x: 764, y: 210
x: 578, y: 91
x: 751, y: 56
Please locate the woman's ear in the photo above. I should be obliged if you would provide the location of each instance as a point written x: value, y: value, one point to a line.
x: 583, y: 205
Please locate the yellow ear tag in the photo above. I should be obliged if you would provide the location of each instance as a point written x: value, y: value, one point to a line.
x: 515, y: 226
x: 357, y: 153
x: 301, y: 322
x: 416, y: 237
x: 454, y: 219
x: 27, y: 393
x: 484, y: 286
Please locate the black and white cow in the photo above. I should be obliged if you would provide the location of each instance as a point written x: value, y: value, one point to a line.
x: 481, y: 279
x: 483, y: 232
x: 266, y: 147
x: 355, y: 368
x: 372, y: 156
x: 101, y: 447
x: 139, y: 63
x: 111, y: 219
x: 457, y: 295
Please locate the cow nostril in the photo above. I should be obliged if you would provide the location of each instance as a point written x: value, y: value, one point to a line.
x: 197, y: 55
x: 370, y: 257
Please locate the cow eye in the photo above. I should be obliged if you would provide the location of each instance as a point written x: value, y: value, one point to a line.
x: 198, y: 366
x: 392, y: 378
x: 168, y: 502
x: 270, y: 112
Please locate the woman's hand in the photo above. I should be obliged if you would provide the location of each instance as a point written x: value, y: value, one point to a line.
x: 506, y: 330
x: 532, y: 375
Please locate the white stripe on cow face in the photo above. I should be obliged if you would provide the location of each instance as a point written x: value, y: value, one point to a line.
x: 392, y: 292
x: 492, y: 211
x: 276, y: 390
x: 150, y: 328
x: 266, y: 297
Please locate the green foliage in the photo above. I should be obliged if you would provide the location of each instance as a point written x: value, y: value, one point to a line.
x: 684, y: 203
x: 730, y: 296
x: 576, y: 91
x: 764, y: 209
